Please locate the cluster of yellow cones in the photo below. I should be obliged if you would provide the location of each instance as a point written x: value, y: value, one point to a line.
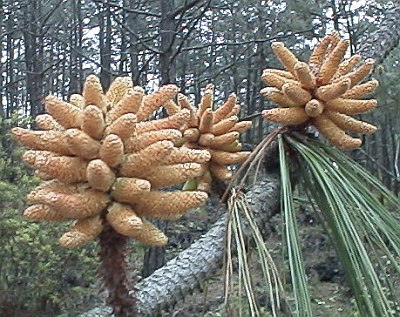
x: 103, y: 161
x: 216, y: 131
x: 323, y: 93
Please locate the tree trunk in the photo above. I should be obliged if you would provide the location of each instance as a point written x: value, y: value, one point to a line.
x: 184, y: 273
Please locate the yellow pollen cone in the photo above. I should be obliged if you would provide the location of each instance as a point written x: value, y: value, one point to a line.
x: 334, y: 90
x: 286, y: 116
x: 318, y: 54
x: 168, y: 175
x: 206, y: 100
x: 125, y: 189
x: 305, y: 75
x: 205, y: 139
x: 346, y: 66
x: 149, y: 235
x: 123, y: 219
x: 351, y: 106
x: 241, y: 126
x: 43, y: 212
x: 112, y: 150
x: 175, y: 121
x: 138, y: 164
x: 93, y: 93
x: 226, y: 158
x: 93, y: 122
x: 155, y: 100
x: 350, y: 124
x: 168, y: 205
x: 278, y: 97
x: 77, y: 100
x: 224, y: 111
x: 314, y: 108
x: 118, y: 88
x: 285, y: 56
x: 47, y: 122
x: 139, y: 142
x: 298, y: 95
x: 206, y: 121
x: 361, y: 90
x: 224, y: 125
x: 54, y: 141
x: 99, y: 175
x: 204, y: 182
x: 30, y: 157
x: 220, y: 172
x: 130, y: 103
x: 276, y: 80
x: 171, y: 107
x: 64, y: 113
x: 224, y: 139
x: 82, y: 144
x: 334, y: 134
x: 124, y: 126
x: 186, y: 155
x: 82, y: 232
x: 191, y: 134
x: 360, y: 73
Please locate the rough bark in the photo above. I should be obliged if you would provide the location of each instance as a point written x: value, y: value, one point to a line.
x: 184, y: 273
x: 379, y: 43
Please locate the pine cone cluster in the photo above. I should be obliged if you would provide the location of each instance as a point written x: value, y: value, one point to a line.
x: 216, y: 131
x: 103, y: 161
x: 323, y: 93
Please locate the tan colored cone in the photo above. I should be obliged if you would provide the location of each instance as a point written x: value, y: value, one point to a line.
x: 64, y: 113
x: 175, y: 121
x: 314, y: 108
x: 123, y: 219
x: 206, y: 101
x: 43, y: 175
x: 149, y: 235
x: 359, y: 74
x: 124, y: 126
x: 241, y: 126
x: 93, y: 122
x: 169, y: 175
x: 43, y: 212
x: 360, y: 91
x: 171, y: 107
x: 141, y: 163
x: 112, y: 150
x: 30, y: 157
x: 155, y: 100
x: 224, y: 125
x: 54, y: 141
x: 74, y: 206
x: 220, y: 172
x: 168, y: 205
x: 318, y: 54
x: 334, y: 90
x: 346, y: 66
x: 184, y: 103
x: 60, y: 187
x: 77, y: 100
x: 93, y: 93
x: 130, y: 103
x: 224, y: 111
x: 81, y: 144
x: 186, y: 155
x: 235, y: 146
x: 139, y: 142
x: 99, y: 175
x: 351, y: 106
x: 47, y: 122
x: 226, y: 158
x: 278, y: 97
x: 205, y: 139
x: 118, y: 87
x: 235, y: 111
x: 125, y: 189
x: 276, y: 80
x: 64, y: 168
x: 347, y: 123
x: 334, y: 134
x: 331, y: 63
x: 206, y: 121
x: 295, y: 93
x: 305, y: 75
x: 224, y: 139
x: 82, y: 232
x: 285, y: 56
x: 191, y: 134
x: 286, y: 116
x: 280, y: 72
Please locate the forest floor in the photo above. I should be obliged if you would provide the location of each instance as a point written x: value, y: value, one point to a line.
x: 331, y: 296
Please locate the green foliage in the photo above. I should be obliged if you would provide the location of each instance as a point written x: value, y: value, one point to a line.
x: 36, y: 274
